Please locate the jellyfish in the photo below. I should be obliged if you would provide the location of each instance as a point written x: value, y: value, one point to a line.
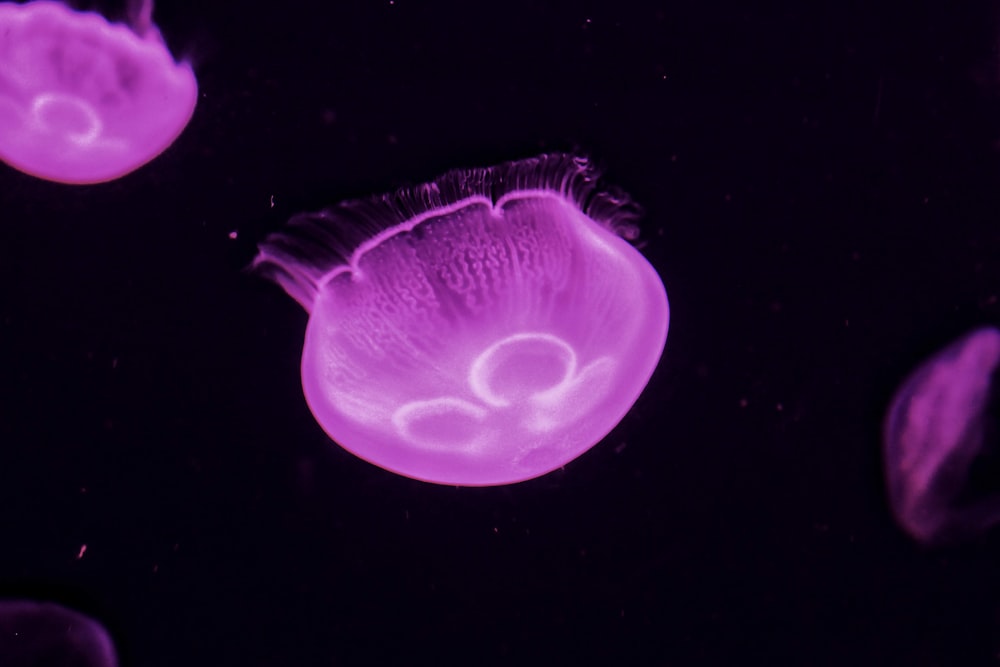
x: 44, y: 633
x: 482, y: 329
x: 83, y: 100
x: 941, y: 443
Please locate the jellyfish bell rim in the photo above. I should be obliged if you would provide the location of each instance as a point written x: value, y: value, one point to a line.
x: 149, y: 42
x: 303, y: 253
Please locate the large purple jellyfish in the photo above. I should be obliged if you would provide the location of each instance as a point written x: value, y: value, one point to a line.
x: 33, y: 634
x: 483, y: 329
x: 941, y: 443
x: 83, y: 100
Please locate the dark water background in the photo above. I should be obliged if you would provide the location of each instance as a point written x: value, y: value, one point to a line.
x: 820, y: 182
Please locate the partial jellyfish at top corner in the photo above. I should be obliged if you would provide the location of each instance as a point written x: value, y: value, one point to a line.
x: 83, y: 100
x: 44, y: 633
x: 483, y: 329
x: 942, y: 445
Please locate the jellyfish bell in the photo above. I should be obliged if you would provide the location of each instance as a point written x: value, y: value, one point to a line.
x: 482, y: 329
x: 36, y: 633
x: 941, y: 447
x: 83, y: 100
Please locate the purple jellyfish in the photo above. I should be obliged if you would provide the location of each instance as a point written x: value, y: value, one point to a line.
x: 83, y: 100
x: 43, y: 633
x: 483, y: 329
x: 941, y: 443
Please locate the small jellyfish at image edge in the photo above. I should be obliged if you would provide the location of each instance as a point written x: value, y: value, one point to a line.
x: 83, y: 100
x: 483, y: 329
x: 942, y: 446
x: 36, y: 634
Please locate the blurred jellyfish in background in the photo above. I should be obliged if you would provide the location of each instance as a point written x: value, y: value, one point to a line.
x: 483, y: 329
x: 942, y: 450
x: 43, y: 634
x: 83, y: 100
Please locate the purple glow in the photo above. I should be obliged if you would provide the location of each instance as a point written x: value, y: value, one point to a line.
x: 939, y: 445
x: 483, y: 329
x: 42, y: 633
x: 83, y: 100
